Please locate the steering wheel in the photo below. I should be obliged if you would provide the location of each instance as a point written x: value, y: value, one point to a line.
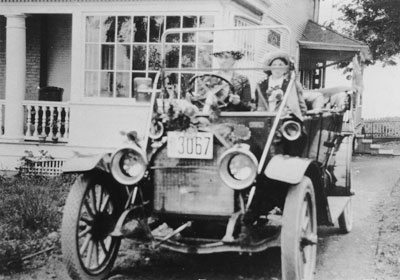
x: 201, y: 87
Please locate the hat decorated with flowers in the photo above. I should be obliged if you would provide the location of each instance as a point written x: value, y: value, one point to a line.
x: 226, y: 48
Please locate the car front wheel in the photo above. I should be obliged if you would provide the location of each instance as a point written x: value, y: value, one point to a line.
x: 299, y: 232
x: 91, y: 211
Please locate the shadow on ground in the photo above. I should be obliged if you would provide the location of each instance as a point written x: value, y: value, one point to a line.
x: 168, y: 265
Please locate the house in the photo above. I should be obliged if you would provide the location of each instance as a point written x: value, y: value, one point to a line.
x: 64, y: 75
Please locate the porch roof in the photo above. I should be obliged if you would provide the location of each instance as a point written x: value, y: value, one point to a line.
x: 322, y: 44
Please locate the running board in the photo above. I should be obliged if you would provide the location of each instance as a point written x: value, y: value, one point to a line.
x: 337, y: 205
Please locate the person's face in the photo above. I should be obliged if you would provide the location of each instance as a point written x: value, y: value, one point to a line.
x: 278, y: 73
x: 226, y: 60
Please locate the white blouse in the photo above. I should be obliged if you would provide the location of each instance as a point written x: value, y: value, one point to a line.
x: 275, y: 82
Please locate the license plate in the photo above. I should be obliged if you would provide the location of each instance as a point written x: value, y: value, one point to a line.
x: 190, y: 145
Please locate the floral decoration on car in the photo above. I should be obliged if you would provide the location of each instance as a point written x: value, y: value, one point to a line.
x: 241, y: 132
x: 180, y: 115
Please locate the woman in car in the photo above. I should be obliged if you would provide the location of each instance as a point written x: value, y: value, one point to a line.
x: 237, y: 98
x: 270, y: 91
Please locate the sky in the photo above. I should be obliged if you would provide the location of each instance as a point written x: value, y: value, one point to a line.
x: 381, y: 97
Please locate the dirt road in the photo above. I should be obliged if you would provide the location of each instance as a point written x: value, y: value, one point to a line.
x: 370, y: 251
x: 366, y: 252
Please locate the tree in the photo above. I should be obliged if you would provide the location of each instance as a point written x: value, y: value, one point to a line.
x: 377, y: 23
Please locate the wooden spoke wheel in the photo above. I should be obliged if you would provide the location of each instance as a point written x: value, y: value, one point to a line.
x: 299, y: 232
x: 346, y: 218
x: 90, y: 214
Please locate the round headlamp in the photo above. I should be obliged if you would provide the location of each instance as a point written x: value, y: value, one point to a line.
x: 156, y: 130
x: 128, y: 165
x: 238, y: 167
x: 291, y: 130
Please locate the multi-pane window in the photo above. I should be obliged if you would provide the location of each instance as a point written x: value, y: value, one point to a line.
x: 121, y: 48
x: 252, y: 43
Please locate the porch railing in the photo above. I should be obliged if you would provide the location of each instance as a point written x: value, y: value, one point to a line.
x: 46, y: 121
x: 382, y: 128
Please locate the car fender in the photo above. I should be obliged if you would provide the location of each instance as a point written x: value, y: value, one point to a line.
x: 82, y: 163
x: 287, y: 169
x: 291, y: 170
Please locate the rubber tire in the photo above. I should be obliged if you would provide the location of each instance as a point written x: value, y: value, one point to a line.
x: 298, y: 196
x: 346, y: 218
x: 69, y: 228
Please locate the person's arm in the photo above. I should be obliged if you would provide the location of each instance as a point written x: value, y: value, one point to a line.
x: 246, y: 91
x: 242, y: 100
x: 314, y: 100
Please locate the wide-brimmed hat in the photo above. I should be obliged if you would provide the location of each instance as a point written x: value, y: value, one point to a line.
x: 270, y: 57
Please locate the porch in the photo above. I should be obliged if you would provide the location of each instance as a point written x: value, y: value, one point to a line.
x: 43, y: 121
x: 35, y: 53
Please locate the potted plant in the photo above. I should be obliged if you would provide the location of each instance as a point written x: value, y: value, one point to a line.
x: 31, y: 163
x: 143, y: 89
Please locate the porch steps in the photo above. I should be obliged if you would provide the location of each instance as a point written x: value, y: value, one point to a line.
x: 367, y: 146
x: 386, y: 152
x: 366, y: 141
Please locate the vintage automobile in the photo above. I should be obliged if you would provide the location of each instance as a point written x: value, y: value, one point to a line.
x: 218, y: 181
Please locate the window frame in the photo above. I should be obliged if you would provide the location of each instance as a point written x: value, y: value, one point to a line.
x: 148, y: 71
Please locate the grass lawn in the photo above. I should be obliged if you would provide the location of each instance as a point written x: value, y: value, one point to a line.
x: 30, y: 219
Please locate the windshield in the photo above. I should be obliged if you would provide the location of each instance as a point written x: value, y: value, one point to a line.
x: 226, y: 69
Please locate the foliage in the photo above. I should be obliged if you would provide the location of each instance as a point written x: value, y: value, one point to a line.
x: 180, y: 115
x: 30, y: 216
x: 377, y: 23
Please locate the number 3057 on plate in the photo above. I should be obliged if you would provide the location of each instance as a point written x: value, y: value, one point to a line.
x: 190, y: 145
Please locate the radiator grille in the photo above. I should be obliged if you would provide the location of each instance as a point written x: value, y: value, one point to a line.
x: 191, y: 186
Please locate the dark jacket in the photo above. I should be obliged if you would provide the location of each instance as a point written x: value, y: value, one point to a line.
x: 262, y: 87
x: 241, y: 86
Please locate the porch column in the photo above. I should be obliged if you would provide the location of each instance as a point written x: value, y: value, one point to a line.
x: 15, y: 76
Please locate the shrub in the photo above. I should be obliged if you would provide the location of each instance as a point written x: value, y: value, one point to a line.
x: 31, y: 209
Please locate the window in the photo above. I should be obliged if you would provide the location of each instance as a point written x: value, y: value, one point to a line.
x: 274, y: 38
x: 246, y: 39
x: 252, y: 45
x: 121, y: 48
x: 277, y: 39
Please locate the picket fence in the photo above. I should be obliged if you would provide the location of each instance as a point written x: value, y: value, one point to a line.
x: 381, y: 127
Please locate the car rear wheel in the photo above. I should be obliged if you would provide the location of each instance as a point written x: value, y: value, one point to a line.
x: 299, y: 232
x: 91, y: 211
x: 346, y: 218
